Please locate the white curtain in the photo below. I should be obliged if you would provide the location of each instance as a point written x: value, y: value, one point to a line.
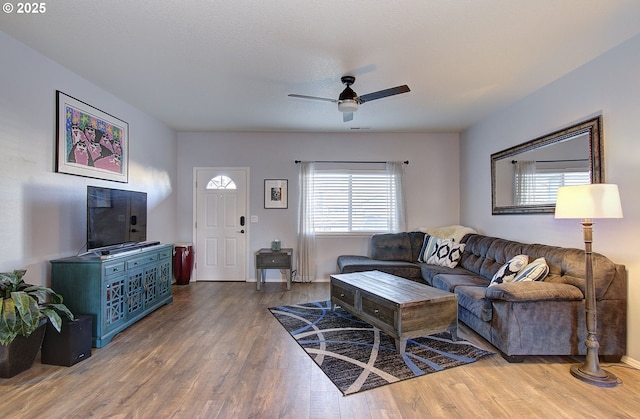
x: 395, y: 169
x: 525, y: 182
x: 306, y: 235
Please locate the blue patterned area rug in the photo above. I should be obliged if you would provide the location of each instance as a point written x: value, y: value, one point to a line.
x: 357, y: 356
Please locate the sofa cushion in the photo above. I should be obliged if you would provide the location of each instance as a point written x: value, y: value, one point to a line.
x: 449, y: 282
x: 509, y: 271
x: 499, y: 253
x: 430, y: 271
x: 446, y: 253
x: 535, y: 271
x: 533, y: 291
x: 473, y: 299
x: 391, y: 246
x: 475, y: 250
x: 485, y: 255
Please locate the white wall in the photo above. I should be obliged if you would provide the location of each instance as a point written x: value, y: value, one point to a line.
x: 432, y: 179
x: 43, y: 213
x: 608, y: 85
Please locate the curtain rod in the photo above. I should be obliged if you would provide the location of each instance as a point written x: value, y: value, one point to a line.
x: 343, y: 161
x: 551, y: 161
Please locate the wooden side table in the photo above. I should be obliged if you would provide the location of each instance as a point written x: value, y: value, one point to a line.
x: 268, y: 259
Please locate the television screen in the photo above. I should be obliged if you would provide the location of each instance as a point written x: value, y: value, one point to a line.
x: 115, y: 217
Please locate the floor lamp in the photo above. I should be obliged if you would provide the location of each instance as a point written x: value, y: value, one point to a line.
x: 588, y: 202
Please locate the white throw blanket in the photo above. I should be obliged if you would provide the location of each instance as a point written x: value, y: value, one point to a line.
x: 455, y: 232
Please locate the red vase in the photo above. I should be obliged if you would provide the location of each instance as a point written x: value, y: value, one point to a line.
x: 183, y: 255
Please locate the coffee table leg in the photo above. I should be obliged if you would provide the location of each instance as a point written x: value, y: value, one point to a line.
x: 401, y: 345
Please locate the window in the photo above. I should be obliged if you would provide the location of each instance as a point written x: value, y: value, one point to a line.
x: 355, y: 201
x: 221, y: 182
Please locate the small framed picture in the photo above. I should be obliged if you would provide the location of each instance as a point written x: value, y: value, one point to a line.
x: 276, y: 193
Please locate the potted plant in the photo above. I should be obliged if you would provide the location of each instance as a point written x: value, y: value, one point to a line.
x: 24, y: 311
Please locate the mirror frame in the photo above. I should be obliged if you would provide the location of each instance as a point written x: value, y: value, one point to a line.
x: 596, y: 159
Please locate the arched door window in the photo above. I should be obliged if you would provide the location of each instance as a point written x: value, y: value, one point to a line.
x: 221, y: 182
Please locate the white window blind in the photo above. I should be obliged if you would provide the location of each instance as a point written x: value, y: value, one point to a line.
x: 546, y: 184
x: 354, y: 201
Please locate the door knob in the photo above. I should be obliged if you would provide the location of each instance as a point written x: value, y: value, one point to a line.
x: 241, y: 231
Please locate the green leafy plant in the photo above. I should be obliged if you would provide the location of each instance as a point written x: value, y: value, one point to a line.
x: 23, y: 305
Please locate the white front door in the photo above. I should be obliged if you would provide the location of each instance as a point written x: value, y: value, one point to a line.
x: 221, y: 224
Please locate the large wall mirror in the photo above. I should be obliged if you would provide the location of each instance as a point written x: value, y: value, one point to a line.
x: 525, y: 178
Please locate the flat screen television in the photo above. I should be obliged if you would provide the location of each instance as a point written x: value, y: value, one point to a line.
x: 115, y: 218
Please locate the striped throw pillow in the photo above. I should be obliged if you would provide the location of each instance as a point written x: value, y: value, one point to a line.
x: 535, y: 271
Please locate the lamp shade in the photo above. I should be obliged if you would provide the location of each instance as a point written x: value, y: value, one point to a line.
x: 596, y: 200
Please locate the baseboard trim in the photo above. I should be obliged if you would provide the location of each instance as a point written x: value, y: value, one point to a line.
x: 630, y: 361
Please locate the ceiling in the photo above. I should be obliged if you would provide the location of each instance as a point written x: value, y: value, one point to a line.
x: 223, y: 65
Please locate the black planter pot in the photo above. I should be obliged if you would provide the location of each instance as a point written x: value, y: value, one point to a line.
x: 20, y: 354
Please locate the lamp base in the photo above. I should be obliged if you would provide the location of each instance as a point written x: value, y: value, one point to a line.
x: 606, y: 379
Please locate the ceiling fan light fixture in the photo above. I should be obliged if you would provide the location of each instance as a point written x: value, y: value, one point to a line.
x: 349, y: 101
x: 347, y: 105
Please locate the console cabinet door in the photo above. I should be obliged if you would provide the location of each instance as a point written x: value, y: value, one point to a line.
x: 135, y: 292
x: 115, y: 303
x: 150, y: 286
x: 165, y: 274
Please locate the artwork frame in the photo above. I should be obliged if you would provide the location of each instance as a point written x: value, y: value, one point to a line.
x: 90, y: 142
x: 276, y: 193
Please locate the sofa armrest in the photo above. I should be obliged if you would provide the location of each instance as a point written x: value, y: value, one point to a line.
x: 533, y: 291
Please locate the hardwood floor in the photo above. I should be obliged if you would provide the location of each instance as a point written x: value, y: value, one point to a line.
x: 216, y: 352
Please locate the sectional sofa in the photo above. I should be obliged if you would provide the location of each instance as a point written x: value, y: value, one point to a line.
x: 541, y: 317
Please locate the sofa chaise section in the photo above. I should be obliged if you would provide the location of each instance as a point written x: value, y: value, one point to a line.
x: 394, y: 253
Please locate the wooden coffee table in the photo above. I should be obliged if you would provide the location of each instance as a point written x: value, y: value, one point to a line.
x: 402, y: 308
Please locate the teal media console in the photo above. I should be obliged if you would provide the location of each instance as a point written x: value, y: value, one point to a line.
x: 117, y: 290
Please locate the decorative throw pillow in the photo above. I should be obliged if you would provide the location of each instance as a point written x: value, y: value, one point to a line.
x: 509, y: 270
x: 428, y: 245
x: 446, y: 253
x: 535, y: 271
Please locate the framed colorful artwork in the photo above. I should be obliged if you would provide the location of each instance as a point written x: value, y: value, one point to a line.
x: 90, y: 142
x: 276, y: 194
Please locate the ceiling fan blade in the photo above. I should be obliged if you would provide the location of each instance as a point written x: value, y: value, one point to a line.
x: 347, y: 116
x: 384, y: 93
x: 314, y: 98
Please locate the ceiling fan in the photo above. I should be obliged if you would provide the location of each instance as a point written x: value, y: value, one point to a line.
x: 348, y: 101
